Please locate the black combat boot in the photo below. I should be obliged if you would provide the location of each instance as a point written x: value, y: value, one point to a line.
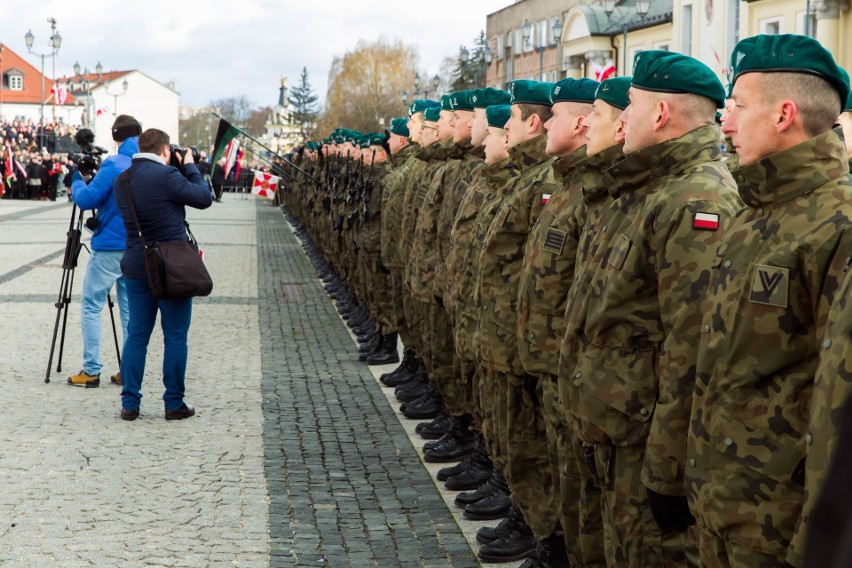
x: 436, y: 428
x: 518, y: 543
x: 478, y: 471
x: 370, y: 345
x: 459, y: 444
x: 406, y: 374
x: 407, y: 364
x: 427, y: 406
x: 490, y: 534
x: 386, y: 353
x: 495, y: 506
x: 413, y: 389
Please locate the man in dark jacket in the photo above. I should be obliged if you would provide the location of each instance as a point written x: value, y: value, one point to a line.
x: 108, y: 245
x: 152, y: 197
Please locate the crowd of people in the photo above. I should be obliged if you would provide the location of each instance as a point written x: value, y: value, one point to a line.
x: 31, y: 167
x: 625, y: 315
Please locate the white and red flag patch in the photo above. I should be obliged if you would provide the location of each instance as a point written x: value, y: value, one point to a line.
x: 265, y: 185
x: 545, y: 197
x: 707, y: 221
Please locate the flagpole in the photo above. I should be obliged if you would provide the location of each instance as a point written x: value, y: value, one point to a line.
x: 259, y: 143
x: 273, y: 165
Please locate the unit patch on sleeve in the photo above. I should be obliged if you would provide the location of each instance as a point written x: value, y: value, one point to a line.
x: 554, y: 240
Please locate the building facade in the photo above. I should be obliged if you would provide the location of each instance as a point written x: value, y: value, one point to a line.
x: 21, y: 88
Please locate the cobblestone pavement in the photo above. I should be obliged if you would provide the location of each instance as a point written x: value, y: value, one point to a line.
x: 295, y: 458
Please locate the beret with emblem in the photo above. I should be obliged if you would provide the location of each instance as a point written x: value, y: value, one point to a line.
x: 432, y: 114
x: 421, y: 105
x: 447, y: 102
x: 614, y: 91
x: 524, y: 91
x: 788, y: 53
x: 848, y: 105
x: 461, y: 100
x: 573, y: 91
x: 373, y: 139
x: 669, y: 72
x: 498, y: 115
x: 484, y: 98
x: 399, y: 126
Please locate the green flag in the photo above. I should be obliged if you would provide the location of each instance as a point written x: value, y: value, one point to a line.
x: 224, y: 134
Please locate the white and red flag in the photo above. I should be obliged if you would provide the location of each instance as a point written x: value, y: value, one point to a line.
x: 604, y: 72
x: 265, y: 185
x: 60, y: 93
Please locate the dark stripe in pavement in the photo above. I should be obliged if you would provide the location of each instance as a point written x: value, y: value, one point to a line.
x: 346, y: 486
x: 33, y: 211
x: 21, y: 270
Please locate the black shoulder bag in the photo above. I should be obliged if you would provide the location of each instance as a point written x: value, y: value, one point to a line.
x: 175, y: 269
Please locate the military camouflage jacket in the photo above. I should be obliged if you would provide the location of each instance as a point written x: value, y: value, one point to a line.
x: 370, y: 237
x: 548, y: 268
x: 633, y: 376
x: 503, y: 252
x: 414, y: 193
x: 476, y: 212
x: 423, y: 256
x: 393, y: 196
x: 773, y: 279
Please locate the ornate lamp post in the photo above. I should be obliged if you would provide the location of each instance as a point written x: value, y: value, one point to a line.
x: 642, y: 7
x: 55, y: 43
x: 124, y: 86
x: 86, y: 85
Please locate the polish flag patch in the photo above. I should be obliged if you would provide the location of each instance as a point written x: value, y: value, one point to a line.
x: 706, y: 221
x: 545, y: 197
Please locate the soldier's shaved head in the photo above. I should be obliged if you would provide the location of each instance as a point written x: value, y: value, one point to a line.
x: 816, y: 100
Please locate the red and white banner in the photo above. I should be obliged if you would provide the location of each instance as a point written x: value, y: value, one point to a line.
x: 604, y: 72
x: 265, y: 185
x: 60, y: 93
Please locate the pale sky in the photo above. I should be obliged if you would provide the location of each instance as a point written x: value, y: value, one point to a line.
x: 219, y: 48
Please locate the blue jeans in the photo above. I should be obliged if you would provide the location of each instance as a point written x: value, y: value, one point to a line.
x: 175, y: 316
x: 102, y: 272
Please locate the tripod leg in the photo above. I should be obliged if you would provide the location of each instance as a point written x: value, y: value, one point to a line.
x: 111, y: 304
x: 66, y: 300
x: 60, y: 305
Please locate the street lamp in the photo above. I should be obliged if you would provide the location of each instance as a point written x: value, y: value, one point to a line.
x: 436, y: 82
x: 642, y: 7
x: 115, y: 96
x: 405, y: 97
x: 86, y: 84
x: 55, y: 43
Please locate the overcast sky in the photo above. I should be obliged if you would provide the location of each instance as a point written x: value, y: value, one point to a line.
x: 219, y: 48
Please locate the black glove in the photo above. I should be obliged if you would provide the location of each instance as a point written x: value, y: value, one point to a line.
x: 439, y: 300
x: 530, y: 384
x: 671, y: 513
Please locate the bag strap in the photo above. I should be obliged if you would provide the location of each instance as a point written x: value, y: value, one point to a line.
x: 125, y: 185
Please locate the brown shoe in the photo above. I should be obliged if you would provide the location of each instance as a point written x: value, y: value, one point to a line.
x: 184, y: 411
x: 129, y: 415
x: 115, y: 379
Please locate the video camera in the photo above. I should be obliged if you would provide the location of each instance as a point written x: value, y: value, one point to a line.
x: 178, y: 151
x: 88, y: 159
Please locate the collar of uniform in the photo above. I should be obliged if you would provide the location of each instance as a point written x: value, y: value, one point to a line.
x: 786, y: 175
x: 529, y: 153
x: 457, y: 151
x: 426, y: 153
x: 564, y: 166
x: 478, y: 153
x: 442, y: 151
x: 636, y: 170
x: 499, y: 172
x: 594, y: 178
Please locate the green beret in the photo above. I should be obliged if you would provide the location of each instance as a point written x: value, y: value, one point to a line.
x: 498, y: 115
x: 848, y: 106
x: 421, y: 105
x: 788, y: 53
x: 461, y: 100
x: 373, y: 139
x: 399, y: 126
x: 432, y: 114
x: 354, y: 137
x: 447, y: 103
x: 484, y: 98
x: 670, y: 72
x: 614, y: 92
x: 530, y: 92
x: 574, y: 91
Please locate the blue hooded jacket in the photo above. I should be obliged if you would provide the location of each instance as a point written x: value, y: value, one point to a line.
x: 110, y: 234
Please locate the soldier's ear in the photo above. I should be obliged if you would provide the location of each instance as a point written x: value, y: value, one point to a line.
x: 662, y: 112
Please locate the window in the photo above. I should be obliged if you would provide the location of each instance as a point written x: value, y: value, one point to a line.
x: 770, y: 26
x: 518, y: 42
x: 686, y: 31
x: 16, y: 82
x: 805, y: 27
x: 510, y: 71
x: 553, y: 78
x: 733, y: 24
x: 662, y: 46
x: 541, y: 35
x: 499, y: 41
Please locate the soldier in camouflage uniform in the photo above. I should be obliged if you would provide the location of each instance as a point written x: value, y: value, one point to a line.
x: 773, y: 279
x: 631, y: 333
x: 547, y: 271
x: 496, y: 296
x: 845, y: 121
x: 393, y: 200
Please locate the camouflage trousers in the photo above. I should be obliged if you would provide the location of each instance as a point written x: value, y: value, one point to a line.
x: 730, y: 553
x: 493, y: 416
x: 414, y: 319
x: 442, y: 373
x: 578, y: 506
x: 632, y: 538
x: 465, y: 372
x: 528, y: 465
x: 397, y: 310
x: 379, y: 296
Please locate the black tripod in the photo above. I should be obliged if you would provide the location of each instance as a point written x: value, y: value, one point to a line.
x: 73, y: 246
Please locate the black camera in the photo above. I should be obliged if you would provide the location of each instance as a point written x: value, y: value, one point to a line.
x: 92, y: 222
x: 178, y: 151
x: 88, y: 160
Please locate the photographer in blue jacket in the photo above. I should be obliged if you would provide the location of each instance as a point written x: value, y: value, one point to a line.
x: 107, y: 246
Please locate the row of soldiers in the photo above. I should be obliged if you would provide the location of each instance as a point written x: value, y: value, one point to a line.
x: 633, y: 344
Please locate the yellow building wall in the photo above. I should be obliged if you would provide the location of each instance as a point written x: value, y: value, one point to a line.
x: 637, y: 40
